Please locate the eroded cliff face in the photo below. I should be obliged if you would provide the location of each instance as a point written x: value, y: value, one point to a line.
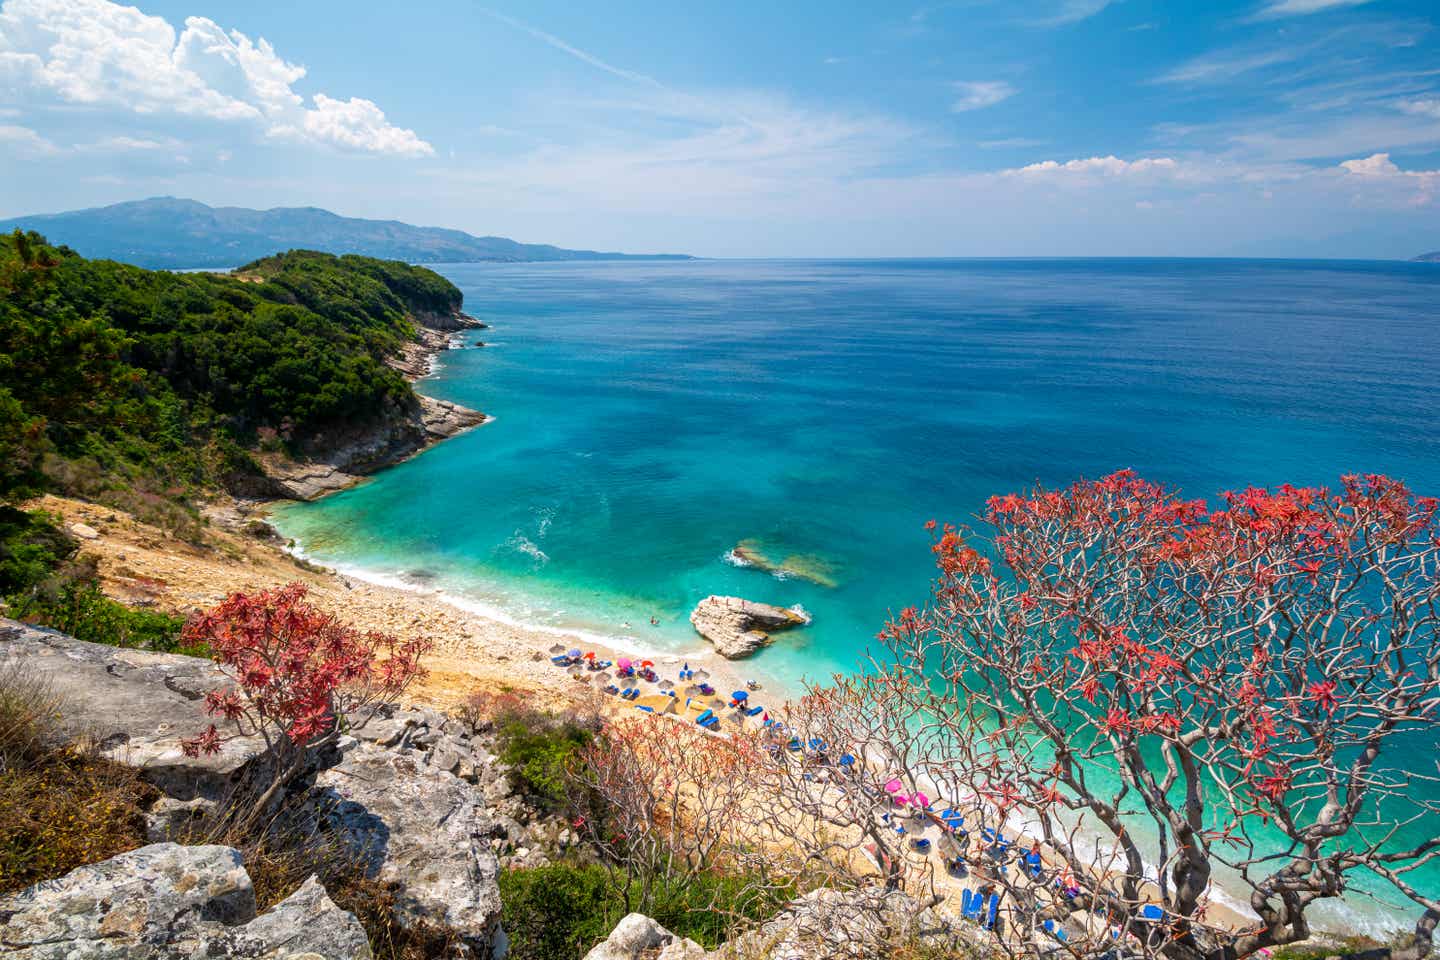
x: 340, y: 457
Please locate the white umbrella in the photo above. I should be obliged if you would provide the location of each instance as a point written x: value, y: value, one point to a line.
x: 557, y: 649
x: 667, y: 684
x: 629, y: 682
x: 702, y: 674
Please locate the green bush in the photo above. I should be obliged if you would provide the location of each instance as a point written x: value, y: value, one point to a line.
x: 538, y: 749
x: 557, y: 912
x: 560, y: 911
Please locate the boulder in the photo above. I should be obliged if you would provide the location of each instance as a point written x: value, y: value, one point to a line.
x: 866, y: 924
x: 84, y: 531
x: 739, y: 627
x: 636, y: 936
x: 165, y: 901
x: 419, y: 829
x: 135, y: 704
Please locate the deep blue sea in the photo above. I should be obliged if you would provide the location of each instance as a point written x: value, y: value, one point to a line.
x: 650, y: 416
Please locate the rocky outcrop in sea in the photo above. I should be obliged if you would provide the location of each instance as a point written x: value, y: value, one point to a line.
x: 738, y: 627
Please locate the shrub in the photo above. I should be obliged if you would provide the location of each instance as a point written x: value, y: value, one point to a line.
x: 62, y: 806
x: 537, y: 746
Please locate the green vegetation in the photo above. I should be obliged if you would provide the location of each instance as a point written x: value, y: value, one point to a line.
x: 43, y: 580
x: 142, y: 389
x: 539, y: 749
x: 564, y: 909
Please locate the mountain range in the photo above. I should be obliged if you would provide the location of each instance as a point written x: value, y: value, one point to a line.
x: 1429, y: 257
x: 173, y: 233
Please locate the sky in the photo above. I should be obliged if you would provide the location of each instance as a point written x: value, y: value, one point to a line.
x: 1285, y: 128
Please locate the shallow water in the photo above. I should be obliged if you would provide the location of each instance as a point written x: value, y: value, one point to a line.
x: 650, y: 416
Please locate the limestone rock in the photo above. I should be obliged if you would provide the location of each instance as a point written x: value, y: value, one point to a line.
x: 84, y: 531
x: 171, y: 819
x: 137, y: 705
x: 165, y: 901
x: 855, y: 924
x: 739, y: 627
x: 636, y: 936
x: 421, y: 829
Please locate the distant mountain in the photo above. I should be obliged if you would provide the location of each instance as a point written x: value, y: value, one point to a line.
x: 170, y: 233
x: 1429, y: 257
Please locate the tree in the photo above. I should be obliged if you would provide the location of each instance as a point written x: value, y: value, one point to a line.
x: 301, y: 679
x: 1168, y: 697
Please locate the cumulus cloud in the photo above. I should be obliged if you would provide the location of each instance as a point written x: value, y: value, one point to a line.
x: 977, y: 94
x: 101, y: 54
x: 1417, y: 187
x: 1110, y: 166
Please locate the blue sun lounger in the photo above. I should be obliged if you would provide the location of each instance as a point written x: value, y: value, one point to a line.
x: 754, y: 711
x: 1152, y: 913
x: 1055, y: 931
x: 992, y: 913
x: 969, y: 904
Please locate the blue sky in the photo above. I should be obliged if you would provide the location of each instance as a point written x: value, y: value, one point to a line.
x: 971, y: 128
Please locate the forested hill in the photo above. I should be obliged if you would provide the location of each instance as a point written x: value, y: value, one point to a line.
x: 141, y: 387
x: 1433, y: 257
x: 172, y: 233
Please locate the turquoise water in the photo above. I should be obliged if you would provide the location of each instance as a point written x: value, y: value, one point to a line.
x: 651, y: 416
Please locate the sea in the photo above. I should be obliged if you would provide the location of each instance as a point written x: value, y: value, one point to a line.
x: 651, y: 417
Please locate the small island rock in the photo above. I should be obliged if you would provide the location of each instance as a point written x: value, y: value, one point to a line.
x: 739, y: 627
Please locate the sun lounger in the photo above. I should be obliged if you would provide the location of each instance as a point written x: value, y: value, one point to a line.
x: 1033, y: 864
x: 754, y: 711
x: 1055, y: 930
x: 969, y: 904
x: 922, y: 844
x: 993, y: 913
x: 705, y: 716
x: 1152, y: 913
x: 612, y: 689
x: 641, y: 706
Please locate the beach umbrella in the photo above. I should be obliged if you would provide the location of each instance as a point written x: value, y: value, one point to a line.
x: 846, y: 760
x: 628, y: 682
x: 894, y: 786
x: 574, y: 653
x: 646, y: 663
x: 920, y: 800
x: 623, y: 663
x: 702, y: 674
x: 667, y: 684
x: 590, y: 655
x: 740, y: 695
x: 558, y: 649
x: 603, y: 677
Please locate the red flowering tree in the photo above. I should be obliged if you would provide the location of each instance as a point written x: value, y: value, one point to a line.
x: 301, y: 679
x: 1171, y: 698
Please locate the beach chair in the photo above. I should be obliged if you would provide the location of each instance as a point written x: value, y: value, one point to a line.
x: 969, y: 904
x: 992, y: 913
x: 612, y: 689
x: 794, y: 745
x: 704, y: 716
x: 1050, y: 927
x: 922, y: 844
x: 1152, y: 913
x: 754, y: 711
x: 647, y: 709
x: 560, y: 661
x: 1033, y: 865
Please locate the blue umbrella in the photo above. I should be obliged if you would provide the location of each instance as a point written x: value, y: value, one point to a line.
x: 574, y: 653
x: 846, y: 760
x: 740, y: 695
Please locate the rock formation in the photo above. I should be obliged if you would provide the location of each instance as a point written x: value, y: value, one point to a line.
x: 638, y: 936
x: 408, y: 796
x: 796, y: 566
x: 739, y: 627
x: 165, y: 901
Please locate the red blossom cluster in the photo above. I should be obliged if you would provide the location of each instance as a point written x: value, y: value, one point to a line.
x: 298, y: 672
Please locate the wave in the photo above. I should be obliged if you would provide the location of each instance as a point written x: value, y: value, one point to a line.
x: 523, y: 544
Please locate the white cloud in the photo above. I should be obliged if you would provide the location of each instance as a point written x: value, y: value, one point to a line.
x: 1010, y: 143
x: 1417, y: 187
x: 23, y: 140
x: 1220, y: 68
x: 104, y: 55
x: 1110, y: 166
x: 978, y: 94
x: 1424, y: 107
x: 1072, y: 11
x: 1296, y: 8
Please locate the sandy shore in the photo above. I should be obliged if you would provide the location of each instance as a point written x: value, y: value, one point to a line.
x: 141, y: 565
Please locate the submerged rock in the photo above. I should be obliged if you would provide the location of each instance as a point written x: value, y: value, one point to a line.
x: 797, y: 566
x: 739, y: 627
x: 164, y: 901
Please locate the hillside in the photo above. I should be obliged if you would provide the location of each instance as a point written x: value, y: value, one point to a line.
x: 175, y: 234
x: 143, y: 387
x: 1432, y: 257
